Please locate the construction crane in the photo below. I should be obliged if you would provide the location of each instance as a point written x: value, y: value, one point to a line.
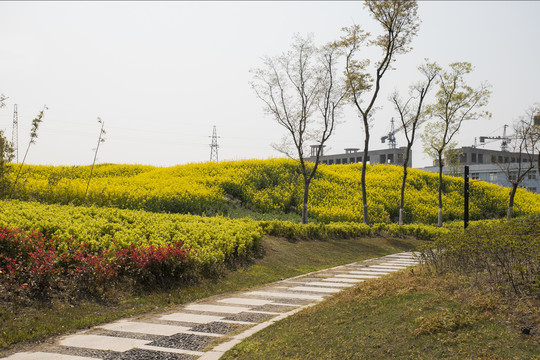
x: 505, y: 140
x: 391, y: 136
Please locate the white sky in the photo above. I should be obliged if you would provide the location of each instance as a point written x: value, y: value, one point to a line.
x: 161, y: 74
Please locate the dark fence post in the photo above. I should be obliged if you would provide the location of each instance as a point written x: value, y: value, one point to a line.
x: 466, y: 197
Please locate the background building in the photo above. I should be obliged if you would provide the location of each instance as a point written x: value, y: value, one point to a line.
x: 354, y: 155
x: 493, y: 166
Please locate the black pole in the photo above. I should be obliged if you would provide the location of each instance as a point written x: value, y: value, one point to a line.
x: 466, y: 197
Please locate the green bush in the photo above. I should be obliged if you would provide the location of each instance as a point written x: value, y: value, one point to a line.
x: 506, y: 253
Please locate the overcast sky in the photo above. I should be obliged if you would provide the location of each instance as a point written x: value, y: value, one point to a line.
x: 162, y: 74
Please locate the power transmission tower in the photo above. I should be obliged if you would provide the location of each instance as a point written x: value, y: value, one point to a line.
x: 15, y: 134
x: 214, y: 146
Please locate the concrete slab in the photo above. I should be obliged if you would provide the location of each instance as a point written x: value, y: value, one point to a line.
x: 358, y: 276
x: 404, y: 263
x: 327, y: 283
x: 314, y: 289
x: 144, y: 328
x: 388, y: 266
x: 100, y: 342
x: 343, y: 280
x: 369, y: 272
x: 245, y: 301
x: 379, y: 269
x: 191, y: 318
x: 284, y: 295
x: 47, y: 356
x: 217, y: 308
x: 211, y: 355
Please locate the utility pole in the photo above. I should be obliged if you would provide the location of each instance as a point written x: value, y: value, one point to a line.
x: 466, y: 197
x: 214, y: 146
x: 15, y: 134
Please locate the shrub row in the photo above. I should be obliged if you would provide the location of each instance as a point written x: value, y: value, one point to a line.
x: 507, y: 254
x: 33, y: 263
x: 212, y: 240
x: 343, y: 230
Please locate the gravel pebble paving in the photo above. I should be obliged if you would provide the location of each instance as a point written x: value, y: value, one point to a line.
x: 68, y: 350
x: 250, y: 317
x: 274, y: 308
x: 284, y: 301
x: 216, y: 327
x: 123, y: 334
x: 137, y: 354
x: 184, y: 341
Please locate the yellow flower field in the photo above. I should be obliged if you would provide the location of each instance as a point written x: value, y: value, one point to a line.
x: 273, y: 185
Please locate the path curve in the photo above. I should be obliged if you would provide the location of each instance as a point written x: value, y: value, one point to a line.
x: 206, y: 329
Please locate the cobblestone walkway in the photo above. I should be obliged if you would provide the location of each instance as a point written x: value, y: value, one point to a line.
x: 206, y: 329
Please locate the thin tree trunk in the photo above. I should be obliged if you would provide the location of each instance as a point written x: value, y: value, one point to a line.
x: 439, y: 218
x: 403, y: 183
x: 511, y: 202
x: 19, y: 172
x: 363, y: 177
x: 305, y: 203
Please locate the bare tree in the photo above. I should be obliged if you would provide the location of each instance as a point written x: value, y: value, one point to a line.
x: 3, y: 98
x: 100, y: 140
x: 455, y: 103
x: 33, y: 136
x: 525, y: 142
x: 412, y: 116
x: 400, y: 23
x: 302, y: 92
x: 7, y: 154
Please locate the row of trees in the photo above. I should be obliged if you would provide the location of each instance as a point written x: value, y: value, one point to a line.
x: 304, y: 92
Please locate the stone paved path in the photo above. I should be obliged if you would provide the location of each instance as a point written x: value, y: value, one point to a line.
x: 206, y: 329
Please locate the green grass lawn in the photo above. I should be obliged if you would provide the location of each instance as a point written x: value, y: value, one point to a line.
x: 405, y: 315
x: 282, y: 259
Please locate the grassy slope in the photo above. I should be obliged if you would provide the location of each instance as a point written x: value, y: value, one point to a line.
x: 282, y: 259
x: 406, y: 315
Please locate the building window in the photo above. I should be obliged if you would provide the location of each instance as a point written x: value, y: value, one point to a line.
x: 475, y: 176
x: 532, y: 189
x: 506, y: 159
x: 330, y: 162
x: 500, y: 159
x: 390, y: 158
x: 338, y: 161
x: 512, y: 159
x: 463, y: 158
x: 493, y: 159
x: 344, y: 161
x: 531, y: 175
x: 480, y: 158
x: 473, y: 157
x: 324, y: 162
x: 512, y: 176
x: 382, y: 159
x: 359, y: 159
x: 400, y: 158
x: 492, y: 177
